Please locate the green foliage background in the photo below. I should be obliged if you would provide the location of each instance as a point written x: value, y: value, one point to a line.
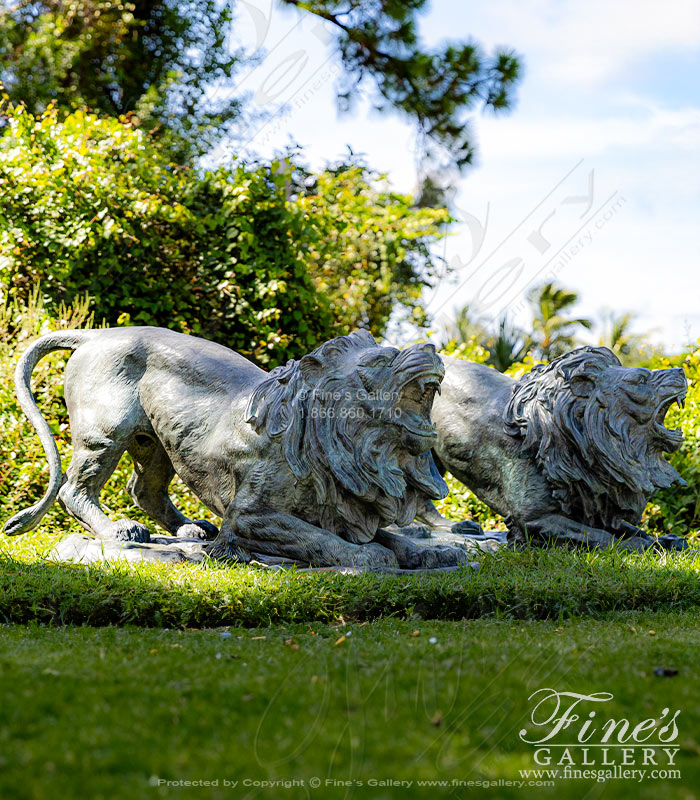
x: 94, y: 206
x: 162, y: 61
x: 149, y: 59
x: 677, y: 510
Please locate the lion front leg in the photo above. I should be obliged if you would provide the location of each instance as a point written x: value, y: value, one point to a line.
x: 286, y: 536
x: 227, y: 546
x: 561, y: 530
x: 418, y: 556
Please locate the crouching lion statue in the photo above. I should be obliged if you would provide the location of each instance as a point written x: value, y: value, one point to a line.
x: 309, y: 461
x: 571, y: 451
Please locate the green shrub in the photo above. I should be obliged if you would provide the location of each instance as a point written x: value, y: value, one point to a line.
x: 90, y: 205
x: 368, y: 247
x: 24, y: 471
x: 677, y: 510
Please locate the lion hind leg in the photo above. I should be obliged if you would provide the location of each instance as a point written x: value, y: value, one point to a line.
x: 94, y: 460
x: 148, y: 487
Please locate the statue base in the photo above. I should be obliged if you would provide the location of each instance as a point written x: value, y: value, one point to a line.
x: 82, y: 549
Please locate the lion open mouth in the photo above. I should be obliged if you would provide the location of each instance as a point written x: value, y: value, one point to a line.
x: 415, y: 403
x: 672, y: 438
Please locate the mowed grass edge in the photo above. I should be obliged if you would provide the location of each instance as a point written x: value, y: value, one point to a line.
x: 542, y: 584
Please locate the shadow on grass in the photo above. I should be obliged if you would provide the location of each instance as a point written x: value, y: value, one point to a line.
x: 531, y: 584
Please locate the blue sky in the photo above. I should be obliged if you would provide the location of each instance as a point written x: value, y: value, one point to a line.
x: 593, y: 179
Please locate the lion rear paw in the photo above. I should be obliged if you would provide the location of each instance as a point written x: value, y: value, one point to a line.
x: 199, y: 529
x: 126, y: 530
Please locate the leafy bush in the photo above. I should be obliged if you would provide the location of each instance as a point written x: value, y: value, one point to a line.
x: 369, y: 249
x: 677, y: 510
x: 470, y: 350
x: 90, y: 205
x: 154, y: 61
x: 24, y: 471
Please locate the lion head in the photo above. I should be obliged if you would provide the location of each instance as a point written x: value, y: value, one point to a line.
x: 353, y: 419
x: 596, y: 429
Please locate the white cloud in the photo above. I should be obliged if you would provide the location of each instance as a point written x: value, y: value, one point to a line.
x: 584, y: 44
x: 532, y: 136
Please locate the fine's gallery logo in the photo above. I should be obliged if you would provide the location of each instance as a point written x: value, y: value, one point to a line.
x: 572, y: 729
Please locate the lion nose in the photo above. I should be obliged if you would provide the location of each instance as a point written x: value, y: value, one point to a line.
x: 674, y: 375
x: 427, y: 347
x: 679, y: 375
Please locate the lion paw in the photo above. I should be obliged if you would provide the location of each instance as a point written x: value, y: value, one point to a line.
x: 467, y: 527
x: 440, y: 556
x: 373, y: 556
x: 224, y: 550
x: 199, y: 529
x: 126, y: 530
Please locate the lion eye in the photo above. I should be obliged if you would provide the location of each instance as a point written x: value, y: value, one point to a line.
x: 378, y: 362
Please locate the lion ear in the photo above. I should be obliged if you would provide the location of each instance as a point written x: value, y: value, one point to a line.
x: 581, y: 386
x: 311, y: 368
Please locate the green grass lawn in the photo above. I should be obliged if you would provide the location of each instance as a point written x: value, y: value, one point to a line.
x: 108, y: 712
x: 117, y: 677
x: 533, y: 584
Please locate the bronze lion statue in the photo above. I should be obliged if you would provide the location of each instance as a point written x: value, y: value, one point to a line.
x: 573, y: 450
x: 308, y: 462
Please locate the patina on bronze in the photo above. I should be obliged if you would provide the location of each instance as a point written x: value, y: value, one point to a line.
x: 573, y: 451
x: 308, y: 462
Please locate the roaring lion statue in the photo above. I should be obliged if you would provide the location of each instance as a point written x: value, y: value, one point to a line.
x: 307, y: 462
x: 572, y: 450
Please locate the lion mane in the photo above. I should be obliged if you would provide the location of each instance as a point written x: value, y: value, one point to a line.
x: 602, y: 464
x: 335, y: 413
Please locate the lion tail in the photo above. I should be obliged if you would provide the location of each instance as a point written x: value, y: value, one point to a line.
x: 60, y: 340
